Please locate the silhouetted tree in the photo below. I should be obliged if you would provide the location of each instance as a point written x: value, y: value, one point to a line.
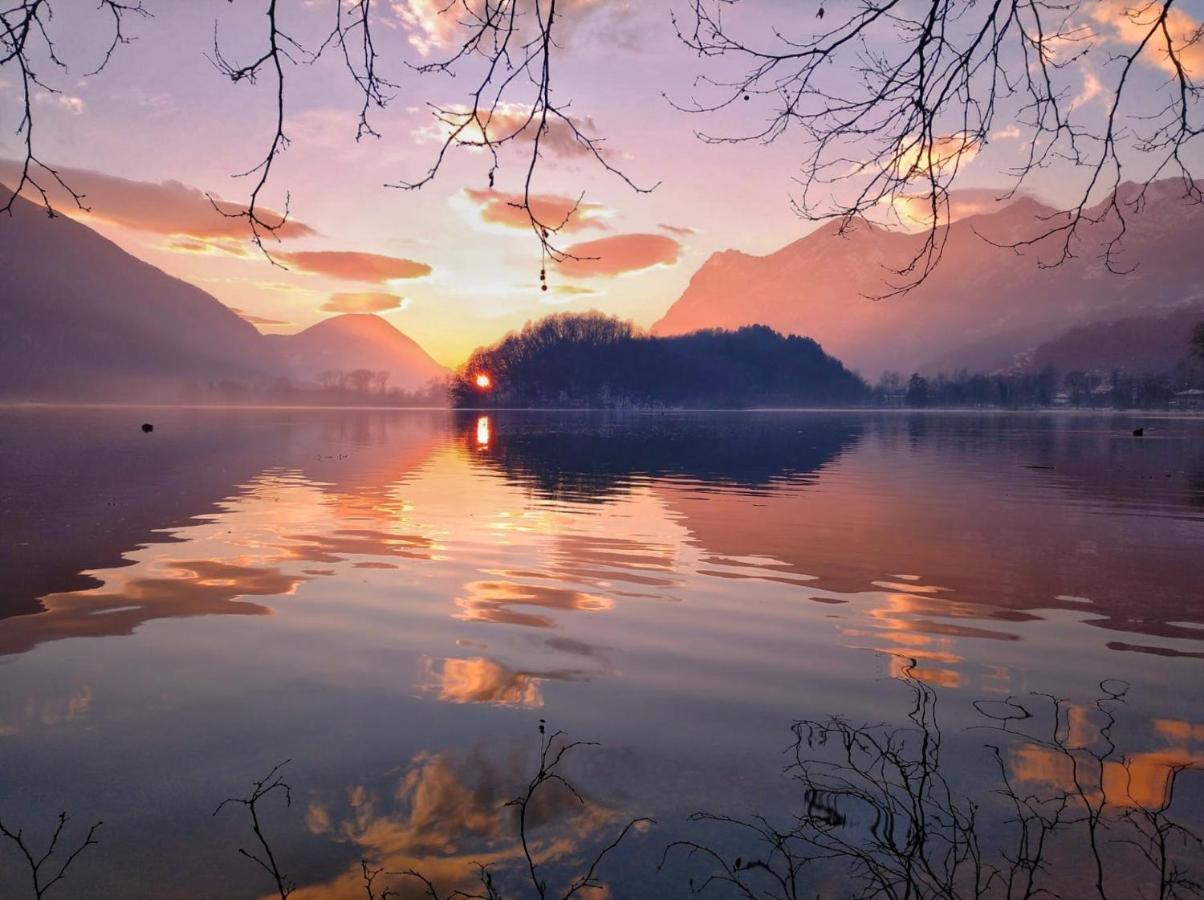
x: 360, y: 379
x: 917, y: 390
x: 594, y: 360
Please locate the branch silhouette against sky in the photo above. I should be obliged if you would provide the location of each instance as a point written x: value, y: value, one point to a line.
x: 884, y: 102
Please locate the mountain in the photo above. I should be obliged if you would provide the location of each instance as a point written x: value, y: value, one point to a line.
x: 82, y: 319
x: 980, y: 307
x: 356, y: 341
x: 1138, y: 344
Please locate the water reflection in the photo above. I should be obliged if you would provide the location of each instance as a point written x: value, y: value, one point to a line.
x: 593, y: 457
x: 481, y: 680
x: 185, y: 588
x: 357, y: 588
x: 448, y: 816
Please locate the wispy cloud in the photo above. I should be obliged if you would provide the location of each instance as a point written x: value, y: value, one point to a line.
x: 165, y: 207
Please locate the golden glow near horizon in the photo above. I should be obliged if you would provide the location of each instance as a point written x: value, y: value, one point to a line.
x: 483, y: 431
x: 484, y: 382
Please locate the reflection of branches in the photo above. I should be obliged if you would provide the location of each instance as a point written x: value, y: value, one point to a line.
x: 893, y: 99
x: 265, y: 858
x: 550, y: 757
x: 1086, y: 799
x: 530, y: 807
x: 922, y: 840
x: 877, y: 803
x: 39, y: 874
x: 553, y: 749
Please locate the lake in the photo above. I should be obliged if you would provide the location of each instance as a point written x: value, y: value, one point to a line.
x: 1004, y: 611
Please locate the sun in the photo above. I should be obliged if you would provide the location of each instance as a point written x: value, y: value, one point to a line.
x: 484, y: 381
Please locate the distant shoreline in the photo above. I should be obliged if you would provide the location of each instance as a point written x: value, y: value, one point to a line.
x: 950, y: 410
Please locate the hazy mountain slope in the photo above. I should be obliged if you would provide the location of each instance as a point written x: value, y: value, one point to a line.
x: 357, y: 341
x: 82, y: 319
x: 981, y: 306
x: 1137, y: 344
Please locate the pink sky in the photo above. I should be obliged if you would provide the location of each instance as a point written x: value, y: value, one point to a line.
x: 459, y: 271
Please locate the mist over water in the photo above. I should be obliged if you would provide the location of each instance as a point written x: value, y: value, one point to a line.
x: 394, y: 599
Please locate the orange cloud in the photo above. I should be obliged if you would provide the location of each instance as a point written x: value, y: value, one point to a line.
x: 367, y: 302
x: 498, y: 208
x: 1128, y: 22
x: 351, y: 265
x: 943, y: 155
x: 619, y: 254
x: 915, y: 210
x: 166, y: 207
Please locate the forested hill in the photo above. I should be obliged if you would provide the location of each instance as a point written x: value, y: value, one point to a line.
x: 593, y: 360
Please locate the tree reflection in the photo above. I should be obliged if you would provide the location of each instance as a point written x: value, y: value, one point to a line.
x: 594, y: 457
x: 881, y: 814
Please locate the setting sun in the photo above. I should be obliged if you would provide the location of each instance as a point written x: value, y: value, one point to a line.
x: 484, y: 381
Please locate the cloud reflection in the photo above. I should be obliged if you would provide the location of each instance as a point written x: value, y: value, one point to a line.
x: 481, y: 680
x: 494, y: 601
x: 447, y: 814
x: 187, y: 588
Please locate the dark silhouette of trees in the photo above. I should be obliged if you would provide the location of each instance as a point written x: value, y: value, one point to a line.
x: 917, y: 391
x: 890, y: 100
x: 1116, y: 389
x: 1197, y: 340
x: 360, y: 380
x: 594, y: 360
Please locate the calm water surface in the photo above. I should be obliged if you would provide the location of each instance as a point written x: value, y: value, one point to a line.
x: 394, y: 600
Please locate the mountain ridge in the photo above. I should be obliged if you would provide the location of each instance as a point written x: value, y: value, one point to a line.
x: 980, y: 308
x: 81, y: 319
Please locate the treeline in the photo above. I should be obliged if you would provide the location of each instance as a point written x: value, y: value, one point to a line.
x: 356, y: 387
x: 1046, y: 388
x: 594, y: 360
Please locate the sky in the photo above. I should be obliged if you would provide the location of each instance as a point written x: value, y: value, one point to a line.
x: 159, y: 127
